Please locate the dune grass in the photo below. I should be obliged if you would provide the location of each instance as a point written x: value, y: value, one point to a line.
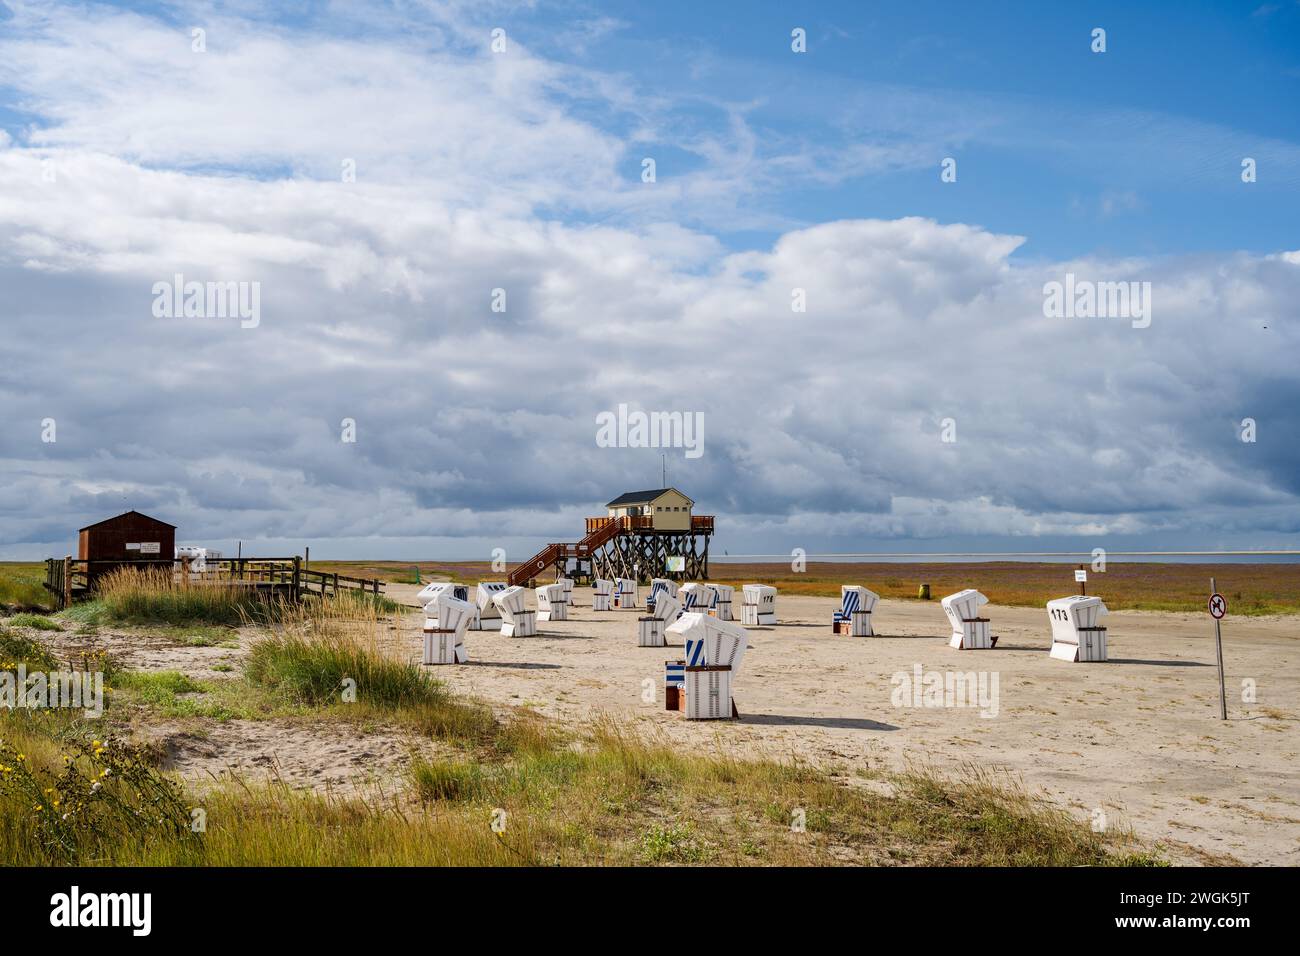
x: 331, y: 656
x: 318, y: 671
x: 159, y: 598
x: 79, y: 800
x: 22, y: 588
x: 132, y: 595
x: 89, y: 617
x: 604, y: 797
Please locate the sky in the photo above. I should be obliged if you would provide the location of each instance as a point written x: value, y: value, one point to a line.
x: 838, y: 269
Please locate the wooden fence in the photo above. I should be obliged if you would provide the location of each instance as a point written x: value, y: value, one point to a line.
x: 71, y: 579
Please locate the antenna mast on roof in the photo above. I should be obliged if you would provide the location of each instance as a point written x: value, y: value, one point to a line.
x: 665, y: 471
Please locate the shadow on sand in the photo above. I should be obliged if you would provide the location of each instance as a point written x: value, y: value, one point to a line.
x: 839, y: 723
x: 1134, y: 660
x: 518, y: 665
x: 902, y: 637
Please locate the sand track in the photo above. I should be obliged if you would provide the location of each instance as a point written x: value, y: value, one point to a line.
x: 326, y: 756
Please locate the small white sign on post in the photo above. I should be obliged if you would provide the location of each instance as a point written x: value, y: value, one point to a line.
x: 1081, y: 576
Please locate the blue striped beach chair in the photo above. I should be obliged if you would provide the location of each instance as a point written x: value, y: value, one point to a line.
x: 854, y: 614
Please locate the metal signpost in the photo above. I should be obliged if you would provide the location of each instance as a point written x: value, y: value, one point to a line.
x: 1218, y: 608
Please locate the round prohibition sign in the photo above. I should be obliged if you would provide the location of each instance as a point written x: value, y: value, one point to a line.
x: 1218, y: 606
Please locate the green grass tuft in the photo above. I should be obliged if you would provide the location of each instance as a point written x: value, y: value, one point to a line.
x: 319, y: 671
x: 435, y: 780
x: 675, y: 843
x: 37, y: 621
x: 85, y: 614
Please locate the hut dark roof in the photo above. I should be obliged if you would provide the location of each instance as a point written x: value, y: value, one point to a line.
x: 125, y: 514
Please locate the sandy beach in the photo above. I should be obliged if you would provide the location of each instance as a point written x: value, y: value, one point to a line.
x: 1135, y: 739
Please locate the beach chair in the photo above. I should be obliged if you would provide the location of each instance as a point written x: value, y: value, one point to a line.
x: 1076, y: 635
x: 488, y: 615
x: 430, y: 592
x: 854, y: 615
x: 759, y: 609
x: 969, y: 630
x: 714, y: 652
x: 721, y: 608
x: 444, y: 629
x: 625, y: 593
x: 516, y: 621
x: 651, y: 630
x: 568, y: 590
x: 551, y: 605
x: 696, y: 598
x: 601, y: 592
x: 660, y: 586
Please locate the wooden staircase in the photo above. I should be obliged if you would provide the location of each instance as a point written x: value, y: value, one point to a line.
x: 600, y: 530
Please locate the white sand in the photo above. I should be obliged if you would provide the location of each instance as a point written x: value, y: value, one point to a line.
x: 1137, y: 737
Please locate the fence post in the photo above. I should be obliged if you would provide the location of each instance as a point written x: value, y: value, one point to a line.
x: 295, y: 588
x: 67, y: 581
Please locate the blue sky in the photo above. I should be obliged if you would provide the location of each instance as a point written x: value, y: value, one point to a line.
x: 138, y: 158
x: 1044, y: 130
x: 1136, y: 150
